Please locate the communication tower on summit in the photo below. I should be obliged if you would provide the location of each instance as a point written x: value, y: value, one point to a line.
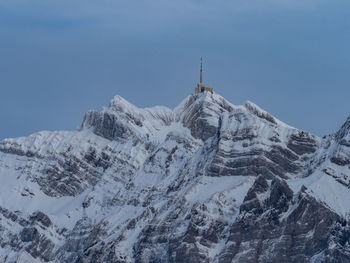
x: 200, y: 86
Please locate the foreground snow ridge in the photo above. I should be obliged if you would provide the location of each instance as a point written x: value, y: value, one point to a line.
x: 205, y: 182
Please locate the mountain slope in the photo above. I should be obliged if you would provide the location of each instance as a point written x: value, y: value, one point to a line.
x: 206, y: 182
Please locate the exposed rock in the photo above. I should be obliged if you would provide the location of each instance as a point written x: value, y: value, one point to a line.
x: 29, y: 234
x: 258, y: 112
x: 107, y: 125
x: 302, y: 143
x: 41, y: 218
x: 283, y: 230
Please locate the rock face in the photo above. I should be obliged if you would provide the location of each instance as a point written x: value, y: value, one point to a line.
x: 206, y: 182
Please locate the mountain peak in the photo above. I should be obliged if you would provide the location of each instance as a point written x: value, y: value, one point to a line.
x: 205, y: 182
x: 200, y: 112
x: 118, y: 103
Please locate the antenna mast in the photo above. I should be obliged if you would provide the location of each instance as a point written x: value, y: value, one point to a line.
x: 200, y: 81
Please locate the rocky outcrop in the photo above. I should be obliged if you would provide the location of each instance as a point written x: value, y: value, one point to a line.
x: 108, y: 125
x: 245, y: 147
x: 272, y: 227
x: 302, y: 143
x: 202, y: 113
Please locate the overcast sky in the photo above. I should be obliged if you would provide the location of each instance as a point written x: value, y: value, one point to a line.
x: 59, y: 59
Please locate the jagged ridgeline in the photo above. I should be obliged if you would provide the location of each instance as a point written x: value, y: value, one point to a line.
x: 205, y: 182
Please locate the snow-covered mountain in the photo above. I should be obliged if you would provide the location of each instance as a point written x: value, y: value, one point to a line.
x: 205, y: 182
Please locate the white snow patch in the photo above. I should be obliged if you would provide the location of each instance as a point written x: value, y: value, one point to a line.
x: 326, y: 189
x: 208, y: 186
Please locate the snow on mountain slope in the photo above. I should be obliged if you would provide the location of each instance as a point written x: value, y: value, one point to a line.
x: 206, y: 182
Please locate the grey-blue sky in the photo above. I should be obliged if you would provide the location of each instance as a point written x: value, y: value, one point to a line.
x: 59, y: 59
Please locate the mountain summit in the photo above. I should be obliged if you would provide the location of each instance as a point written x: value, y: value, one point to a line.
x: 207, y: 181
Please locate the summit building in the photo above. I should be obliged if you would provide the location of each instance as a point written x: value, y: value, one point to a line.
x: 200, y: 86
